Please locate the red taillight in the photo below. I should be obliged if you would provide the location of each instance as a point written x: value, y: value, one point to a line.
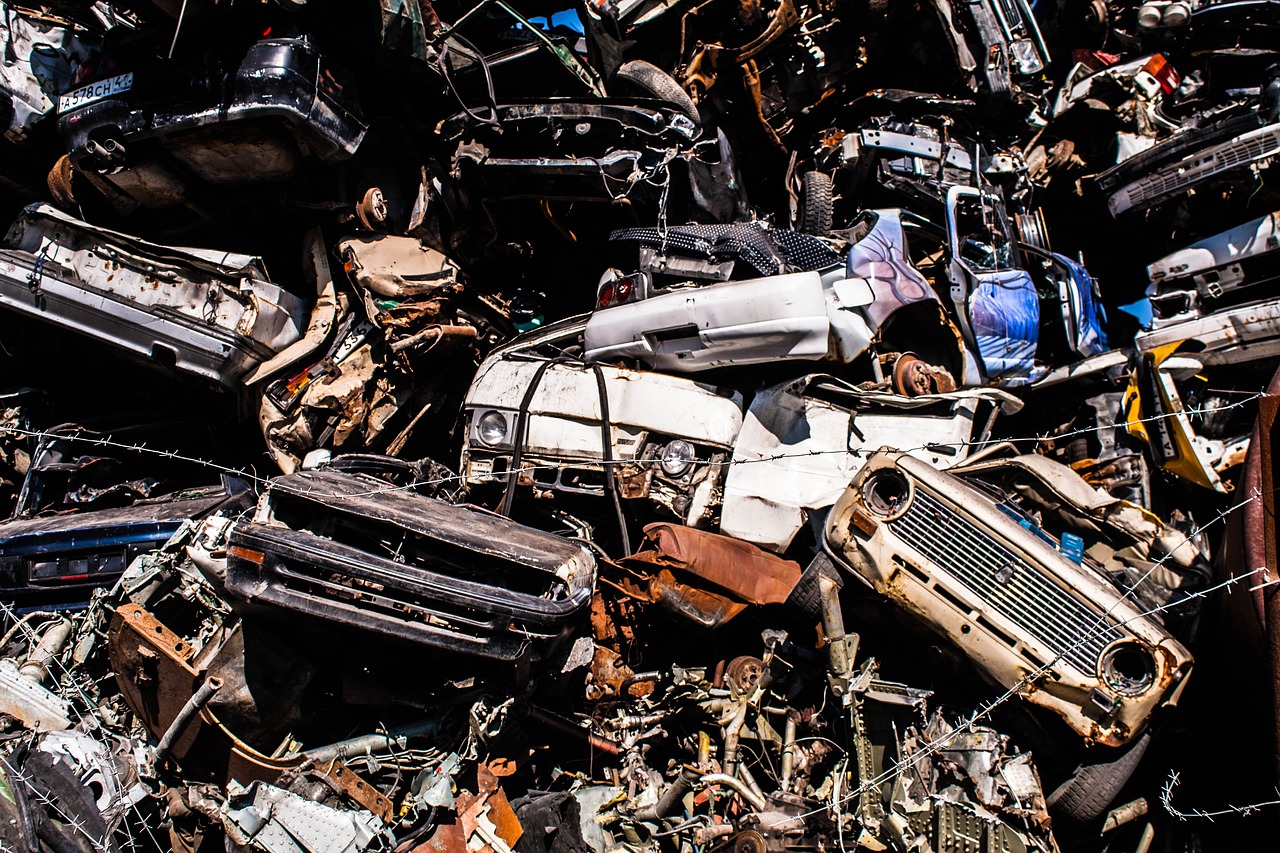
x: 620, y: 290
x: 605, y: 297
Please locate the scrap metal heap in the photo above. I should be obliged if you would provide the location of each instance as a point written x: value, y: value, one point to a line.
x: 660, y: 426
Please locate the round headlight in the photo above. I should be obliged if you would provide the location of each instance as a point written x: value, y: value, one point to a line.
x: 885, y: 492
x: 1176, y: 14
x: 1128, y: 668
x: 1149, y: 16
x: 677, y: 458
x: 492, y: 427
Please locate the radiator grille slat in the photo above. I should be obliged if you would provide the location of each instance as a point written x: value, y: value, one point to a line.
x: 1010, y: 585
x: 1250, y: 148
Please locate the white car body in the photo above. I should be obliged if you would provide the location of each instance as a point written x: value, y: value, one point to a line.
x: 803, y: 315
x: 1029, y: 616
x: 562, y: 446
x: 211, y: 314
x: 796, y: 452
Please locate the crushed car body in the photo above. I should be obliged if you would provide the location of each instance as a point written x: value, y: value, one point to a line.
x: 214, y: 315
x: 638, y: 426
x: 982, y: 574
x: 477, y: 589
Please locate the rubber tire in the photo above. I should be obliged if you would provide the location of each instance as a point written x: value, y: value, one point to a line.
x: 1094, y: 785
x: 805, y: 597
x: 816, y: 203
x: 1077, y: 450
x: 656, y: 83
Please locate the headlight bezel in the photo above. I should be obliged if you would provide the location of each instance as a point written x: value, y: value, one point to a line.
x: 886, y: 493
x: 677, y: 458
x: 482, y: 423
x: 1119, y: 663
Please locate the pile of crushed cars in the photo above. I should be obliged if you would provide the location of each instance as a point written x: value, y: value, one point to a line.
x: 627, y: 426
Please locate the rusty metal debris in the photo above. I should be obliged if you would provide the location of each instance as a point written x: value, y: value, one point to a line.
x: 661, y: 426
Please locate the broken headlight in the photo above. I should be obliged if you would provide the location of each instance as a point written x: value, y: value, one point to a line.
x: 886, y: 492
x: 1128, y: 668
x: 1026, y: 57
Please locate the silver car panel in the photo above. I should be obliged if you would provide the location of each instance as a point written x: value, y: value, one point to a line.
x: 211, y: 314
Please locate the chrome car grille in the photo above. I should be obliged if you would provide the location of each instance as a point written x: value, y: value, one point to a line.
x: 1010, y: 586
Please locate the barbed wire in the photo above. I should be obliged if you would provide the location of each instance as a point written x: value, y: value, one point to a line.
x: 1103, y: 624
x: 262, y: 482
x: 67, y: 681
x: 76, y: 823
x: 1175, y: 779
x: 982, y: 712
x: 930, y: 748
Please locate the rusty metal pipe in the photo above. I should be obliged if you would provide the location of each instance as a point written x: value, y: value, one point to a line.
x: 748, y: 779
x: 440, y: 333
x: 738, y: 786
x: 673, y: 796
x: 1148, y: 835
x: 705, y: 834
x: 841, y: 647
x: 390, y: 740
x: 52, y: 642
x: 186, y: 714
x: 788, y: 753
x: 564, y: 726
x: 636, y: 721
x: 732, y: 733
x: 639, y: 677
x: 1126, y: 813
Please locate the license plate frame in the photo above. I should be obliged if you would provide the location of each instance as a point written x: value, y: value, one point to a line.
x: 94, y: 92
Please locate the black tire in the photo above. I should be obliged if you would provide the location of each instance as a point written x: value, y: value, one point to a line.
x: 806, y: 596
x: 656, y: 83
x: 1077, y: 450
x: 816, y: 203
x: 1095, y: 783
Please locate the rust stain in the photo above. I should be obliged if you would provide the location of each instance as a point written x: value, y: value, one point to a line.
x: 344, y: 780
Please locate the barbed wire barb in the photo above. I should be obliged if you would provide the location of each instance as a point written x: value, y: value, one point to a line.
x: 1175, y: 779
x: 261, y: 481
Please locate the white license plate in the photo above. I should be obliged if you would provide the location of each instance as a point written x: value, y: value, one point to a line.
x: 94, y: 92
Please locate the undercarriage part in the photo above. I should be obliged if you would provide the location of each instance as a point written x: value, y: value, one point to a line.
x: 183, y: 718
x: 675, y: 793
x: 52, y: 641
x: 662, y: 389
x: 372, y: 209
x: 913, y: 377
x: 655, y: 82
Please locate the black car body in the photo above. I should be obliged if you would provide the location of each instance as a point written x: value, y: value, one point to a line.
x: 56, y: 562
x: 88, y: 506
x: 352, y: 551
x: 260, y: 114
